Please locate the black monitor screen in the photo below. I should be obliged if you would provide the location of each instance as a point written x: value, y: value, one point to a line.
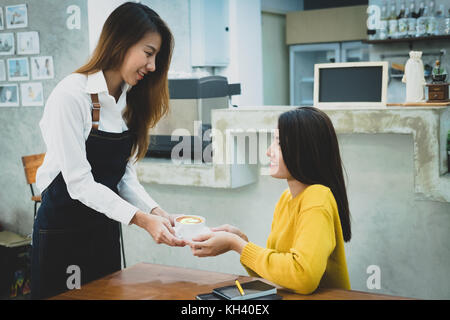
x: 350, y: 84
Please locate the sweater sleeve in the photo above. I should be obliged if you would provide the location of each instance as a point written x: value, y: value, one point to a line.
x: 302, y: 268
x: 250, y: 272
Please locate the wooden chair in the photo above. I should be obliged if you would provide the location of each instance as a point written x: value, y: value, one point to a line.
x: 30, y: 165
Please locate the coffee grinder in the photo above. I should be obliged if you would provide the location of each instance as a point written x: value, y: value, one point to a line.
x: 438, y: 88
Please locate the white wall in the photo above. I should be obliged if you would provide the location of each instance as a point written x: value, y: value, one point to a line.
x: 246, y: 51
x: 275, y: 59
x: 98, y: 11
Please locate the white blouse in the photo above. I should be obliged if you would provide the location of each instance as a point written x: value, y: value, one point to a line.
x: 65, y: 127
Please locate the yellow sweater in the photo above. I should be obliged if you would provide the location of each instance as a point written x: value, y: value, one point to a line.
x: 305, y: 248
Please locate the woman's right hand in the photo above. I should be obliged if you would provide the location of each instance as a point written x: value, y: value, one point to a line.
x: 231, y: 229
x: 158, y: 227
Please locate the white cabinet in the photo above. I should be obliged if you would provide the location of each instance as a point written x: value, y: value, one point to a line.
x: 354, y: 51
x: 302, y: 58
x: 209, y: 33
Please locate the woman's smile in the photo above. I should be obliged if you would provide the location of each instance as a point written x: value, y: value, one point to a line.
x: 141, y: 75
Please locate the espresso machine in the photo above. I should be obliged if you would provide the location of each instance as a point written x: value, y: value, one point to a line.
x: 189, y: 116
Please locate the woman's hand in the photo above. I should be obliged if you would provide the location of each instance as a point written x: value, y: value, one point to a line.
x: 158, y: 227
x: 231, y: 229
x: 162, y: 213
x: 215, y: 243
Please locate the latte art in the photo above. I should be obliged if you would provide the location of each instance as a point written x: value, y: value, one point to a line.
x: 190, y: 226
x: 189, y: 220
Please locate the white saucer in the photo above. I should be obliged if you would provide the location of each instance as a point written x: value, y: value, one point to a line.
x: 204, y: 230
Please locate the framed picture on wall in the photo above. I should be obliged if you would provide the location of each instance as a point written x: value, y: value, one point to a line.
x: 28, y: 42
x: 9, y: 95
x: 32, y: 94
x: 7, y: 44
x: 2, y: 70
x: 18, y: 69
x: 42, y: 67
x: 16, y: 16
x: 2, y: 23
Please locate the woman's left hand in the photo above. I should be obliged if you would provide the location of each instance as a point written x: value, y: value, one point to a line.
x: 160, y: 212
x: 231, y: 229
x: 215, y: 243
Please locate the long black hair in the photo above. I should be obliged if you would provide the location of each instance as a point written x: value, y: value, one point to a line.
x: 311, y: 153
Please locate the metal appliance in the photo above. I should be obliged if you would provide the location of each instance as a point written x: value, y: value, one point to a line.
x: 189, y: 117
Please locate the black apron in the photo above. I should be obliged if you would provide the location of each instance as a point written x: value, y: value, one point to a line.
x: 66, y: 232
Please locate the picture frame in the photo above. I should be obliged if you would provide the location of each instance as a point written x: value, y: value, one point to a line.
x: 9, y: 95
x: 2, y: 70
x: 18, y: 69
x: 16, y: 16
x: 361, y: 85
x: 42, y: 67
x: 2, y: 21
x: 32, y: 94
x: 28, y: 42
x: 7, y: 44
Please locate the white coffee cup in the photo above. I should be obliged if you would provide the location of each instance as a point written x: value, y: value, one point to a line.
x: 190, y: 226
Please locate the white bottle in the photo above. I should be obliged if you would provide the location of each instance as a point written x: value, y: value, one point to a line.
x: 422, y: 20
x: 383, y: 25
x: 403, y: 20
x: 414, y: 78
x: 432, y: 21
x: 440, y: 21
x: 447, y: 23
x: 393, y: 22
x: 412, y: 19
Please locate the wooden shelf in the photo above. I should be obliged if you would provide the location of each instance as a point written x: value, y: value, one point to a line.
x: 410, y: 41
x: 386, y: 41
x: 420, y: 104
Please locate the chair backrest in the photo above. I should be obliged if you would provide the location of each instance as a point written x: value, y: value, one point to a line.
x: 31, y: 164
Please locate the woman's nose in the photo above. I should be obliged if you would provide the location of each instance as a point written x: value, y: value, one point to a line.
x: 151, y: 65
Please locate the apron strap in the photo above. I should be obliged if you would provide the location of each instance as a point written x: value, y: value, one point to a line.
x: 95, y: 111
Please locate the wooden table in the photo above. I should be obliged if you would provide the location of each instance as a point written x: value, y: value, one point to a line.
x: 145, y: 281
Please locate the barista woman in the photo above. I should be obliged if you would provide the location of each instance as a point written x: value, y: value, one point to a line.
x: 95, y: 126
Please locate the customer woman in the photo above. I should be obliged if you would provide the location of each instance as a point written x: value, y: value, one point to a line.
x: 305, y: 248
x: 96, y: 126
